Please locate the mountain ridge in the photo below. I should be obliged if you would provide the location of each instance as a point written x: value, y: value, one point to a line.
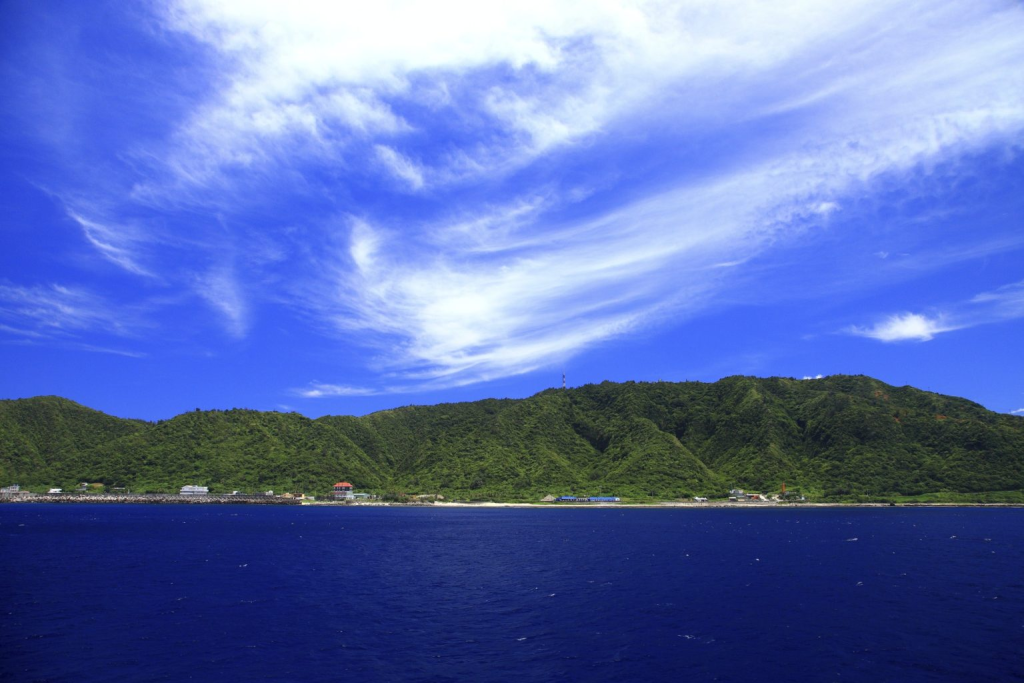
x: 838, y: 437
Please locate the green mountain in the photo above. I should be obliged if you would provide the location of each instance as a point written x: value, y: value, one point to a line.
x: 840, y: 437
x: 45, y: 438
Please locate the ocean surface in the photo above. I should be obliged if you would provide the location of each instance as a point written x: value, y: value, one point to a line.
x: 226, y: 593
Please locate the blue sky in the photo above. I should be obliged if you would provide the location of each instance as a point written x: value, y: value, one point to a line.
x: 339, y: 209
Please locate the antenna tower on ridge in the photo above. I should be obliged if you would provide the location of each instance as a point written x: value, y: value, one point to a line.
x: 563, y: 380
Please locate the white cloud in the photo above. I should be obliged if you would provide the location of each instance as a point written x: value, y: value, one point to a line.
x: 117, y: 243
x: 526, y: 302
x: 115, y: 352
x: 456, y: 96
x: 1005, y: 303
x: 1019, y: 411
x: 221, y: 289
x: 21, y: 332
x: 570, y: 70
x: 904, y: 327
x: 321, y: 390
x: 505, y: 297
x: 400, y: 166
x: 815, y: 377
x: 60, y: 311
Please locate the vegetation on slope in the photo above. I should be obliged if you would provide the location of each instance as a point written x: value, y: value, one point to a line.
x: 839, y: 437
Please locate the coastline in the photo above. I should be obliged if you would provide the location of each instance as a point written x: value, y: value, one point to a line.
x: 177, y: 499
x: 143, y: 499
x: 707, y: 506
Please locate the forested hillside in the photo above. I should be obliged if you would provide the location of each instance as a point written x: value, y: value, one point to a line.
x: 839, y: 437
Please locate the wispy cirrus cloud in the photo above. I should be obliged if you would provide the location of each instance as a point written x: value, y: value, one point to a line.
x: 1007, y: 302
x: 116, y: 243
x: 58, y: 311
x: 321, y: 390
x: 221, y: 289
x: 327, y: 76
x: 532, y: 298
x: 521, y: 181
x: 540, y: 290
x: 113, y: 351
x: 401, y: 167
x: 527, y: 301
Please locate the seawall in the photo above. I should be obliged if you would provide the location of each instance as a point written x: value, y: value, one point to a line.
x: 149, y: 498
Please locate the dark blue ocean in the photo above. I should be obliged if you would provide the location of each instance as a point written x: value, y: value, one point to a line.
x: 225, y: 593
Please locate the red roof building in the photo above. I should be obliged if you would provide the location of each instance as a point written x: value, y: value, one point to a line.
x: 343, y: 491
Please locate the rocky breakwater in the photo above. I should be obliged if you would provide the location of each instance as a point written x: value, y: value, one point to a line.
x: 151, y: 498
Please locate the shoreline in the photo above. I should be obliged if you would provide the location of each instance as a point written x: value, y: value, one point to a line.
x: 143, y: 499
x: 707, y: 506
x: 177, y: 499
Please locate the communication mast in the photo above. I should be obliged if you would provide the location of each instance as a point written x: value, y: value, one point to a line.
x: 563, y: 380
